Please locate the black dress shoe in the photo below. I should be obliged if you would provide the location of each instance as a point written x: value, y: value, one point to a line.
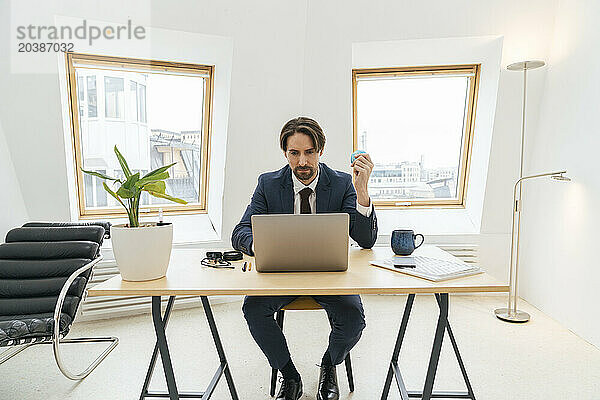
x: 328, y: 386
x: 291, y: 389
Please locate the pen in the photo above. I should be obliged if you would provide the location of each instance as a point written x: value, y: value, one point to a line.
x: 244, y: 266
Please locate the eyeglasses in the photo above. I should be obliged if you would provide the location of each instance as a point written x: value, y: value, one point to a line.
x: 217, y: 259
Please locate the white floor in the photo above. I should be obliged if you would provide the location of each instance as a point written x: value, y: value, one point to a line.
x: 537, y: 360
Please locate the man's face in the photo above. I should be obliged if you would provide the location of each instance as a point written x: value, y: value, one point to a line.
x: 302, y: 157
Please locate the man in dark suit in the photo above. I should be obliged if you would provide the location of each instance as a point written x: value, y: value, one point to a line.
x: 305, y: 186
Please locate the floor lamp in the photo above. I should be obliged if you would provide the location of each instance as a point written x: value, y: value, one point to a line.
x: 511, y: 313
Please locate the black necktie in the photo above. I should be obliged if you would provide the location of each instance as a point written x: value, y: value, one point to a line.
x: 304, y: 204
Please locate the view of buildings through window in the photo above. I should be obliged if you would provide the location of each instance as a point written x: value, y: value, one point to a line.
x: 413, y: 127
x: 153, y: 118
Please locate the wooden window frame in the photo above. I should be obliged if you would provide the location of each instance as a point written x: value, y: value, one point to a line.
x: 118, y: 64
x: 467, y: 138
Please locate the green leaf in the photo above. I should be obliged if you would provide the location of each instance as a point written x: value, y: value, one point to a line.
x: 113, y: 194
x: 153, y: 178
x: 128, y: 189
x: 158, y: 186
x: 123, y: 163
x: 158, y: 171
x: 131, y: 181
x: 125, y: 193
x: 99, y: 175
x: 166, y: 196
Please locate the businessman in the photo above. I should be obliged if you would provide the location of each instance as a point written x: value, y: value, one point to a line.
x: 306, y: 186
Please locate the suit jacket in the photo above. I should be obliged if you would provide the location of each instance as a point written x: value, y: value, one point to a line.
x: 335, y: 192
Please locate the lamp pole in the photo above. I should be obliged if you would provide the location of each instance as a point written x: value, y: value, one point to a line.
x: 519, y: 66
x: 511, y: 313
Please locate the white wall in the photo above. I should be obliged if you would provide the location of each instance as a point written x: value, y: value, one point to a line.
x: 289, y: 59
x: 560, y: 271
x: 12, y: 207
x: 333, y: 26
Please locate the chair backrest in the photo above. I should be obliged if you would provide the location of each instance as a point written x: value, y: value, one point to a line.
x: 36, y: 261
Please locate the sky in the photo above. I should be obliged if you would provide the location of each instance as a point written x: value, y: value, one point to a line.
x: 405, y: 118
x: 175, y: 102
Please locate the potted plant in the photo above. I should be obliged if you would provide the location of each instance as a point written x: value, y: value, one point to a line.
x: 142, y: 252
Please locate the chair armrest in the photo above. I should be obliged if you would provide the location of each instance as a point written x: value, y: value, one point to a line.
x: 63, y: 295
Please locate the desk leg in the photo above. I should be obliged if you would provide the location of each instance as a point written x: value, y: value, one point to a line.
x: 165, y: 320
x: 219, y: 346
x: 461, y: 364
x: 394, y: 370
x: 160, y: 324
x: 442, y: 326
x: 442, y: 299
x: 161, y: 342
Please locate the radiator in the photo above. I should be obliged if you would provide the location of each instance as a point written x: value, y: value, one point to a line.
x: 465, y: 252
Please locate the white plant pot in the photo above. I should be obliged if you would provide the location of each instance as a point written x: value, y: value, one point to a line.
x: 143, y: 253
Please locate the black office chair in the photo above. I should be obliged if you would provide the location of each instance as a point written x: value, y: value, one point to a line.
x: 305, y: 303
x: 44, y: 272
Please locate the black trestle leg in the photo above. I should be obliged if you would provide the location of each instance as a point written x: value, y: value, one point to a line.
x: 165, y: 320
x: 461, y: 364
x: 220, y: 351
x: 394, y: 362
x: 160, y: 324
x: 161, y: 338
x: 442, y: 326
x: 437, y: 346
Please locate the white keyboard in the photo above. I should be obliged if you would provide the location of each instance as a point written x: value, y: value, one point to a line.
x: 432, y: 269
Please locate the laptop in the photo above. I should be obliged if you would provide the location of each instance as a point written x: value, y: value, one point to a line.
x: 304, y: 242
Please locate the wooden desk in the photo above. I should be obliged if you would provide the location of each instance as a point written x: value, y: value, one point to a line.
x: 186, y: 276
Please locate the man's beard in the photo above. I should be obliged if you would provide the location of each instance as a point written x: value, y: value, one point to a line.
x: 304, y: 173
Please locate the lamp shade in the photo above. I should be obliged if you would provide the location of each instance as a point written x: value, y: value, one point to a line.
x: 525, y: 65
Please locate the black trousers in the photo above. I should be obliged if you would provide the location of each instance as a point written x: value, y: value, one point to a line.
x: 346, y: 316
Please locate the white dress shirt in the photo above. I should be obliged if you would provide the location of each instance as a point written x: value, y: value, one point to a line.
x: 312, y: 199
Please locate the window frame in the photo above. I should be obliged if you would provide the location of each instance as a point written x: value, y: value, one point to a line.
x: 467, y: 136
x: 118, y: 64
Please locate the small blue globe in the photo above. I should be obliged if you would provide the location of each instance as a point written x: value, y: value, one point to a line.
x: 356, y: 153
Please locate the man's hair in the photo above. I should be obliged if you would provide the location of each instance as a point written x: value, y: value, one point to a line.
x: 304, y: 125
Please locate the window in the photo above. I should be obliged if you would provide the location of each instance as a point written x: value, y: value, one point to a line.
x: 113, y: 97
x: 417, y: 125
x: 155, y: 112
x: 132, y: 100
x: 81, y: 95
x: 142, y: 103
x: 91, y: 90
x: 95, y: 195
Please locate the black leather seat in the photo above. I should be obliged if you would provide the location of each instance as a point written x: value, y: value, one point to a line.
x: 44, y: 272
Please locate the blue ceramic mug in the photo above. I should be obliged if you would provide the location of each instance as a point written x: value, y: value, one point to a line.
x: 403, y: 241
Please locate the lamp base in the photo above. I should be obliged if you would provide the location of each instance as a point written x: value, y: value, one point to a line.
x: 505, y: 315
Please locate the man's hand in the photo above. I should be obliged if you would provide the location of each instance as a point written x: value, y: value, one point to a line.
x: 362, y: 167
